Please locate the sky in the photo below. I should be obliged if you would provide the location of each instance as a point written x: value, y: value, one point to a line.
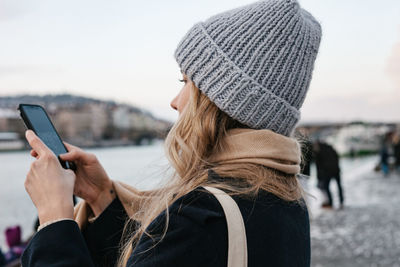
x: 123, y: 50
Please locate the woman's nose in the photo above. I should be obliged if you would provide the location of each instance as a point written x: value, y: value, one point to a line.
x: 173, y: 103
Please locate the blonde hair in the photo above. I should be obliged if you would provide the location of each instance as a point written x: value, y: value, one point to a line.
x: 200, y: 131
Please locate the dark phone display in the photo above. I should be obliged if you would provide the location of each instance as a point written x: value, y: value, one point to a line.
x: 43, y: 128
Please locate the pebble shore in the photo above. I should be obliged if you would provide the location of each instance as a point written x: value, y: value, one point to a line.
x: 367, y: 231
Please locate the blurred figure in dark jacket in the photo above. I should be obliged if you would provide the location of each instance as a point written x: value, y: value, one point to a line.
x: 327, y: 163
x: 384, y: 154
x: 396, y: 151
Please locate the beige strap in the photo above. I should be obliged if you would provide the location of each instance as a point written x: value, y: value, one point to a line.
x: 237, y: 246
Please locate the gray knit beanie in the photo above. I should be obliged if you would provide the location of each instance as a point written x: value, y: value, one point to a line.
x: 254, y: 62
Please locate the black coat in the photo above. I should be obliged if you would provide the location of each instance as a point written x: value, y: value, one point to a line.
x: 277, y: 235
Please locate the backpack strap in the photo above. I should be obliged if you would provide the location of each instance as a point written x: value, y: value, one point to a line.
x: 237, y: 243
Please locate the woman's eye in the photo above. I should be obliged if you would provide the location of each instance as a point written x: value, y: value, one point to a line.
x: 183, y: 80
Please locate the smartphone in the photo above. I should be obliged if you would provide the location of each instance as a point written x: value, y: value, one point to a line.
x: 36, y: 119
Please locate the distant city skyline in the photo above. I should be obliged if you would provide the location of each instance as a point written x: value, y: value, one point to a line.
x: 123, y: 51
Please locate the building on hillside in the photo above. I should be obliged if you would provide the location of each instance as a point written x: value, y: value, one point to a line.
x: 10, y: 121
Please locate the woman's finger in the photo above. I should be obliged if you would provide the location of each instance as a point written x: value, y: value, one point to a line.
x: 73, y: 155
x: 36, y: 143
x: 70, y: 147
x: 77, y: 154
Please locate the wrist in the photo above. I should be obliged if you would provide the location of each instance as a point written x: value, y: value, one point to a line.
x: 64, y: 211
x: 104, y: 198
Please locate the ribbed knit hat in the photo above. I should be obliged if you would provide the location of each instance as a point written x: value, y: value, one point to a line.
x: 254, y: 62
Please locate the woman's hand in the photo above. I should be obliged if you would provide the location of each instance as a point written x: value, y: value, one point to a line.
x: 48, y: 184
x: 92, y: 182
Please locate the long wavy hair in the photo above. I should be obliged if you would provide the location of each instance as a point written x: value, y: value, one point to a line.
x: 198, y: 133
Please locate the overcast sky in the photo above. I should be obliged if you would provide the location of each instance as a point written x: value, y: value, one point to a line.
x: 123, y: 50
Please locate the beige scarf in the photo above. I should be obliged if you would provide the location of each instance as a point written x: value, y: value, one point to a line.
x: 240, y: 146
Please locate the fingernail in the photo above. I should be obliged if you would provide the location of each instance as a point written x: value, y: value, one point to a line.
x: 28, y: 134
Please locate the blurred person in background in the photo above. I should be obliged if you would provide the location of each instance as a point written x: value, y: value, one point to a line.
x: 385, y: 154
x: 396, y: 151
x: 246, y: 73
x: 327, y: 163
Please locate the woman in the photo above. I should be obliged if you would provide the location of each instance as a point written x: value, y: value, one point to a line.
x: 246, y: 73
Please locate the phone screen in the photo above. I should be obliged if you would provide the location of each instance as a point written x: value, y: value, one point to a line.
x: 42, y: 126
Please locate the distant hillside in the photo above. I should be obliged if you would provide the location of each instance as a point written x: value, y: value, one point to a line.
x: 59, y: 99
x: 63, y: 100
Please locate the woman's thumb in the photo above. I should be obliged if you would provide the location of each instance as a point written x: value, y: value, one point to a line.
x: 70, y: 156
